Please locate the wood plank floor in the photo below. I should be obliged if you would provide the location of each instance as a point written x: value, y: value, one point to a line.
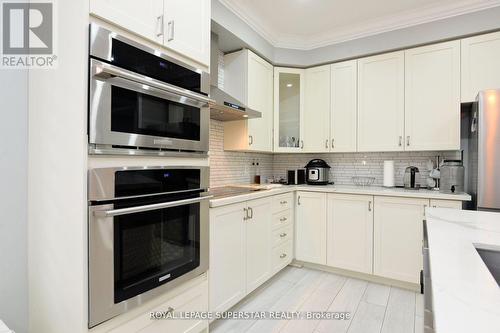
x: 374, y: 308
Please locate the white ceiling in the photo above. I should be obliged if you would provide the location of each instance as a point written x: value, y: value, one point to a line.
x: 308, y: 24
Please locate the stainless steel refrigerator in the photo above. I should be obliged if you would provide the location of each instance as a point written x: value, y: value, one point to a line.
x: 480, y: 140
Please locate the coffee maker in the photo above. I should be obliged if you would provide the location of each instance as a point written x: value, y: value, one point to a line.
x: 411, y: 178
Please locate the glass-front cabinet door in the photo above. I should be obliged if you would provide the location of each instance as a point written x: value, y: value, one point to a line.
x: 288, y: 109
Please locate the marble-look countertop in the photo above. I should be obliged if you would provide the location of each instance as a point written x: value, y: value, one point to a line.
x: 344, y: 189
x: 465, y: 296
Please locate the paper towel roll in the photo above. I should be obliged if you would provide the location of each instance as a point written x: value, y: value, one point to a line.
x: 389, y: 173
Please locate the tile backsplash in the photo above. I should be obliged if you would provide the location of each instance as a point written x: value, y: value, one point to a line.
x: 346, y: 165
x: 236, y: 167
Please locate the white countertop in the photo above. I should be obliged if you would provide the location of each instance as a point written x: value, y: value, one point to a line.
x: 465, y: 296
x: 4, y: 328
x: 344, y: 189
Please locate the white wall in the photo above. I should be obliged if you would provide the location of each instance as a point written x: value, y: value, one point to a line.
x: 13, y: 199
x: 235, y: 33
x: 57, y: 180
x: 226, y: 20
x: 449, y: 28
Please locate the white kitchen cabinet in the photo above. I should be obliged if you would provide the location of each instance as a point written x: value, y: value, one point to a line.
x: 181, y: 25
x: 258, y: 243
x: 343, y: 109
x: 227, y: 276
x: 310, y: 227
x: 480, y: 65
x: 381, y: 102
x: 288, y: 109
x: 435, y: 203
x: 432, y: 97
x: 187, y: 28
x: 397, y: 239
x: 240, y: 251
x: 143, y: 18
x: 249, y: 78
x: 350, y: 232
x: 317, y: 109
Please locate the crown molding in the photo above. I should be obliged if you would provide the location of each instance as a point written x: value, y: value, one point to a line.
x: 376, y: 26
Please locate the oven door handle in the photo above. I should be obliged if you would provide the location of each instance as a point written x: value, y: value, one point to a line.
x: 145, y: 208
x: 106, y: 71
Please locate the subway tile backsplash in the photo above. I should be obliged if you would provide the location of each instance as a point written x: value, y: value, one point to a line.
x: 236, y: 167
x: 346, y: 165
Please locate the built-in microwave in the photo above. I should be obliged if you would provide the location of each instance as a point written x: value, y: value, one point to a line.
x: 147, y: 232
x: 141, y: 98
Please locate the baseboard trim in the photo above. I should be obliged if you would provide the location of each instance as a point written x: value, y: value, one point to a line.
x: 362, y: 276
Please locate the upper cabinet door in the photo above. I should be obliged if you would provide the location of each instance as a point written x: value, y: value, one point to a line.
x: 432, y: 97
x: 381, y: 102
x: 288, y: 109
x: 260, y: 98
x: 144, y: 19
x: 187, y: 28
x: 249, y: 78
x: 343, y: 99
x: 317, y: 109
x: 480, y: 65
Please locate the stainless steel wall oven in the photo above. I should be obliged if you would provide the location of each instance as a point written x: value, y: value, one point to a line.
x: 148, y: 232
x: 142, y: 98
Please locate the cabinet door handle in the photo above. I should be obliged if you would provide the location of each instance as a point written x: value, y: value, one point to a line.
x: 326, y: 143
x: 283, y: 219
x: 333, y: 143
x: 283, y: 202
x: 400, y: 140
x: 369, y: 206
x: 283, y: 255
x: 425, y: 206
x: 301, y: 144
x: 245, y: 212
x: 250, y: 210
x: 298, y: 200
x: 171, y: 31
x: 250, y: 140
x: 160, y: 19
x: 408, y: 140
x: 283, y: 235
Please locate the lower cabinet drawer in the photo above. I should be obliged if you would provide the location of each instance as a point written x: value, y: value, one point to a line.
x: 282, y: 235
x: 282, y: 219
x: 282, y: 256
x: 282, y: 202
x: 194, y: 299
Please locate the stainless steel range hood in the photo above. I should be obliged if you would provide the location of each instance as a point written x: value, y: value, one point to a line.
x: 225, y: 107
